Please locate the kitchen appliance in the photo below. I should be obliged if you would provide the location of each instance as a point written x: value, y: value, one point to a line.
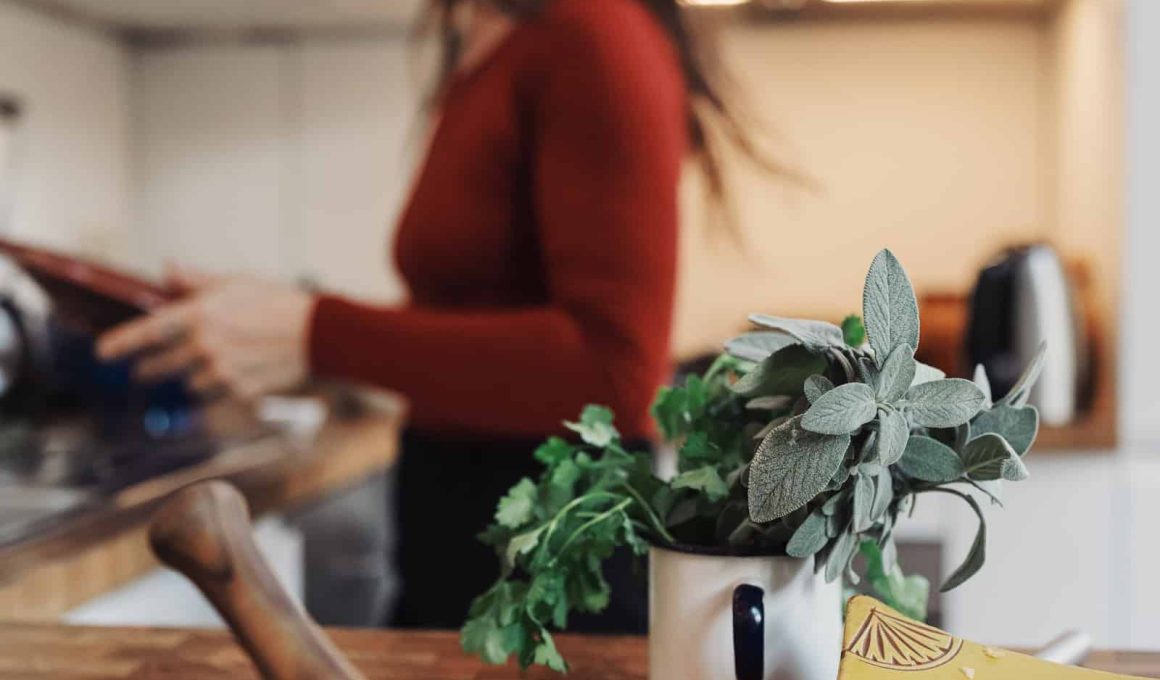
x: 74, y: 429
x: 9, y: 118
x: 1024, y: 298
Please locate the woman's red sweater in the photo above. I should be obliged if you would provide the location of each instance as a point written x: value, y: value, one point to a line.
x: 540, y: 241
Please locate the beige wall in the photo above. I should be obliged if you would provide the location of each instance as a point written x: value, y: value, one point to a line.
x: 944, y: 140
x: 927, y: 138
x: 73, y: 164
x: 1087, y: 81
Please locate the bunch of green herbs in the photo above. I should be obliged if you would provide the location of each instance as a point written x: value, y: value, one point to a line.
x: 803, y: 439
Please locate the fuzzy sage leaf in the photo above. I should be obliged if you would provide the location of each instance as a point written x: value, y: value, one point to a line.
x: 989, y: 457
x: 943, y: 403
x: 1022, y: 389
x: 815, y: 386
x: 897, y: 374
x: 978, y: 552
x: 924, y: 373
x: 791, y: 466
x: 1017, y: 425
x: 889, y: 308
x: 809, y: 538
x: 842, y: 410
x: 758, y: 345
x: 930, y: 460
x: 893, y: 431
x: 863, y: 502
x: 883, y: 494
x: 814, y: 334
x: 783, y: 372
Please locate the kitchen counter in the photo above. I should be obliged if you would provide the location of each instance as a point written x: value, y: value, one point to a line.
x: 74, y: 653
x: 87, y: 555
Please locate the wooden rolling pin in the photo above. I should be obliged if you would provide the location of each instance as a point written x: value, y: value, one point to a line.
x: 204, y: 533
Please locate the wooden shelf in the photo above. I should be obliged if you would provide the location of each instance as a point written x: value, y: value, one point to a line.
x: 944, y: 323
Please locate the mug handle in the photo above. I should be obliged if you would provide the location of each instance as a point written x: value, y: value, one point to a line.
x: 748, y: 632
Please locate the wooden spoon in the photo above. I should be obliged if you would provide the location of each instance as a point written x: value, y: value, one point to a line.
x: 204, y: 533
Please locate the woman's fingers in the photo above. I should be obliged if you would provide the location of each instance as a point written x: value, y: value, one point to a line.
x: 207, y: 381
x: 187, y: 280
x: 160, y: 328
x: 180, y: 359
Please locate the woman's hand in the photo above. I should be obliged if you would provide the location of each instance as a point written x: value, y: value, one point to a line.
x: 239, y: 335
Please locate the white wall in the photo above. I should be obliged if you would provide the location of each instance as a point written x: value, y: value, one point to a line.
x: 73, y: 187
x: 1139, y: 375
x: 287, y: 160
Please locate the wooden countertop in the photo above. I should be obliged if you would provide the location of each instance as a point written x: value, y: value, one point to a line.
x: 43, y: 577
x: 39, y: 652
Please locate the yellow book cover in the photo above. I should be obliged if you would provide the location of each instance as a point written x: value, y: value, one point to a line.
x: 881, y: 644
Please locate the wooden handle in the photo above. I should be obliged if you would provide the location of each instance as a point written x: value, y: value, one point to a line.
x: 204, y: 533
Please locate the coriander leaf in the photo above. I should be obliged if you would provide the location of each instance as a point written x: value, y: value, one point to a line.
x: 853, y: 332
x: 863, y: 502
x: 516, y: 508
x: 790, y: 467
x: 670, y: 412
x: 1018, y: 426
x: 554, y: 450
x: 809, y: 538
x: 560, y: 485
x: 842, y: 410
x: 758, y: 345
x: 546, y: 653
x: 930, y: 460
x: 521, y: 544
x: 595, y: 426
x: 977, y: 554
x: 815, y: 386
x: 485, y: 638
x: 897, y: 374
x: 893, y: 431
x: 813, y: 334
x: 889, y: 308
x: 943, y: 403
x: 704, y: 479
x: 989, y: 457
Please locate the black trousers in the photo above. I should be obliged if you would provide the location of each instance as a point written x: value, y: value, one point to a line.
x: 447, y: 493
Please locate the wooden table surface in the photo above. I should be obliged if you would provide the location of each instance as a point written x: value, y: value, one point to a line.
x: 40, y: 652
x: 47, y: 575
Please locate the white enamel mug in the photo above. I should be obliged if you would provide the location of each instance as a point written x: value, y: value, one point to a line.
x: 718, y: 617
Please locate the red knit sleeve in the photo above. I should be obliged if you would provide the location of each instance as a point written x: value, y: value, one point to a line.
x: 608, y: 113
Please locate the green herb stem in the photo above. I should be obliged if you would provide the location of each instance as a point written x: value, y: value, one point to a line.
x: 593, y: 522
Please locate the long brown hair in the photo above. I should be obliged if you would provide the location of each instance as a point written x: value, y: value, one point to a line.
x: 713, y: 117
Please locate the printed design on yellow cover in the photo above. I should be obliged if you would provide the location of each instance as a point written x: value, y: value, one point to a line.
x: 890, y: 641
x: 881, y: 644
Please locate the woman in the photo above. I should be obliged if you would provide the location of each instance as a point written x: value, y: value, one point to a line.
x: 539, y: 245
